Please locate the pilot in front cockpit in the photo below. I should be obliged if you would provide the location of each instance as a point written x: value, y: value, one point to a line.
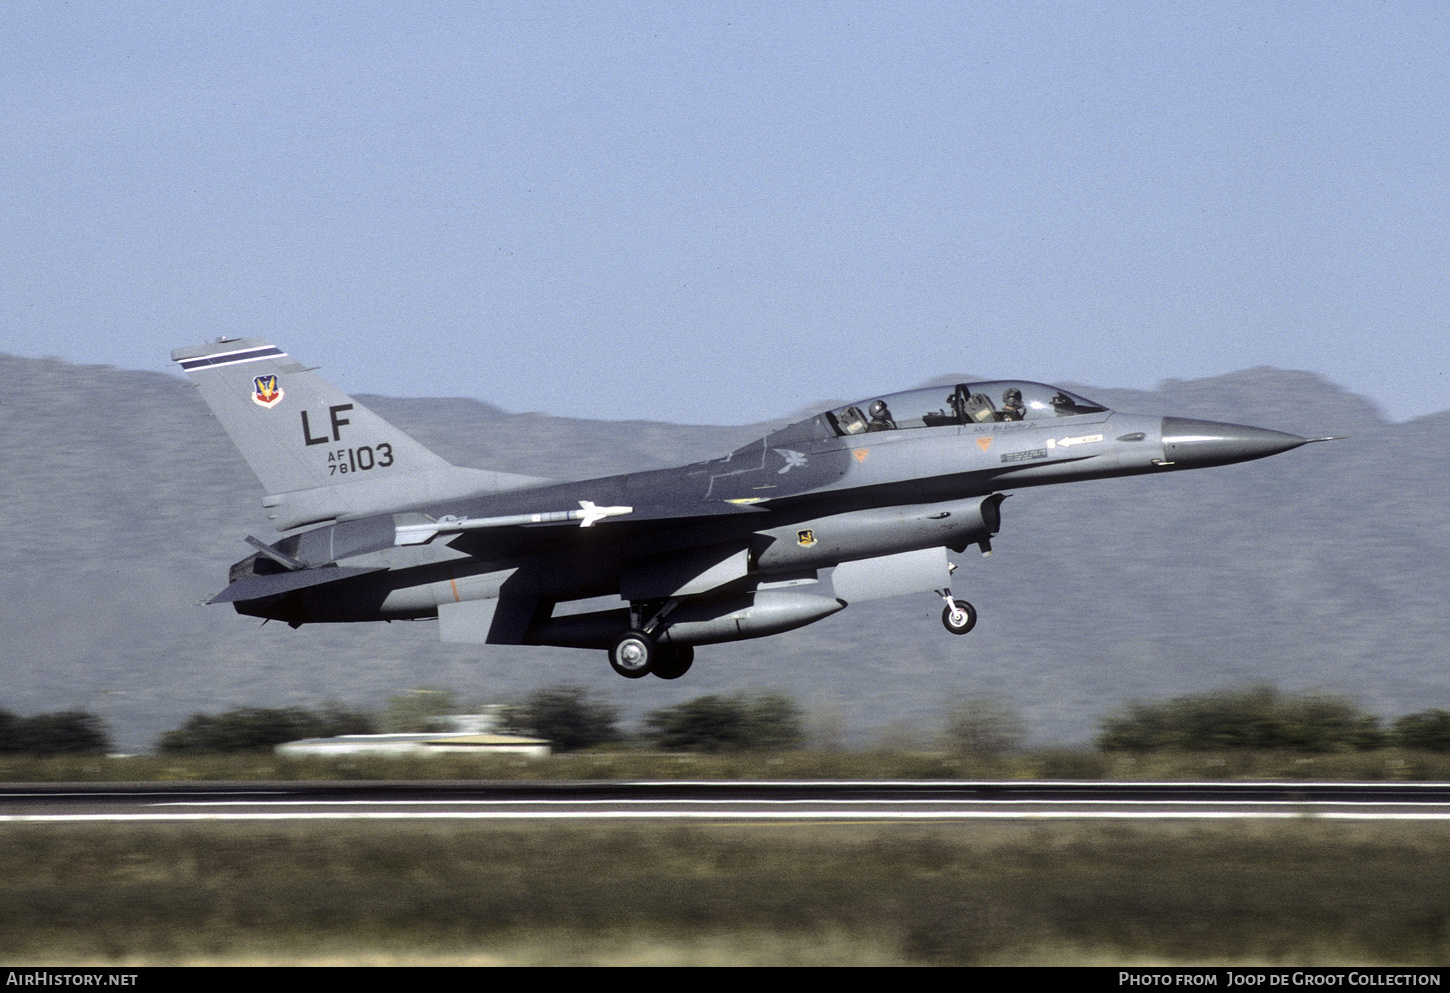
x: 881, y: 419
x: 1013, y: 408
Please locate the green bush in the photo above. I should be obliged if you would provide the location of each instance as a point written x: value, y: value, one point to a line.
x: 727, y: 723
x: 1257, y: 718
x: 1428, y: 730
x: 261, y: 728
x: 566, y: 716
x: 62, y: 732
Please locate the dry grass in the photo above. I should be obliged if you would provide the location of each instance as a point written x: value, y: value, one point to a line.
x: 409, y: 893
x: 1386, y: 764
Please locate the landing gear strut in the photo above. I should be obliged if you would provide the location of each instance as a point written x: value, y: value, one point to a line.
x: 957, y: 616
x: 635, y: 654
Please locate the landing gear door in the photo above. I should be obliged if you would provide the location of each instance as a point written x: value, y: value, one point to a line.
x: 892, y: 575
x: 504, y: 620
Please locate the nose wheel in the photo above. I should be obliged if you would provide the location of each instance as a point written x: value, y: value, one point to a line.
x: 957, y: 616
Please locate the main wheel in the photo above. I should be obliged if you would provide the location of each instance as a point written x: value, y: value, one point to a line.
x: 633, y: 655
x: 673, y: 661
x: 960, y: 617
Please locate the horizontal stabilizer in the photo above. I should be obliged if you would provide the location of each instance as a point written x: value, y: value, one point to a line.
x: 278, y: 583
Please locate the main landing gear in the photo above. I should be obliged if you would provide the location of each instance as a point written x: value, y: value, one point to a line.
x: 635, y: 653
x: 674, y: 661
x: 957, y: 616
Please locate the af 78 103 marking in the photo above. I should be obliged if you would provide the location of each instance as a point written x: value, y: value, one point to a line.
x: 345, y: 460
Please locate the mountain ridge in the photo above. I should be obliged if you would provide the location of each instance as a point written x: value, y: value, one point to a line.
x: 122, y: 505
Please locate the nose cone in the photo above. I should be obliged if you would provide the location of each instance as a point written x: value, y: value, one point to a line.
x: 1190, y: 444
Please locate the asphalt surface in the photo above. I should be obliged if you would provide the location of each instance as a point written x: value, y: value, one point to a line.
x: 805, y: 802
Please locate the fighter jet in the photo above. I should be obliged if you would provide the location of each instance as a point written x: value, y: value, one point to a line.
x: 862, y: 501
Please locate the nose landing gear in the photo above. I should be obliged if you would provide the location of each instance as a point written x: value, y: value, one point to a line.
x: 958, y: 616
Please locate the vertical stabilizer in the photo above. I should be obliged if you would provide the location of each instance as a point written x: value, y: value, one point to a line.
x: 320, y: 454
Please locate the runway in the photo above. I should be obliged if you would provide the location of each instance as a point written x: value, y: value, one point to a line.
x: 720, y: 802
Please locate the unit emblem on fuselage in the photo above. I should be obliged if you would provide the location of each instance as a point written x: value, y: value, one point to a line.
x: 805, y: 538
x: 792, y: 460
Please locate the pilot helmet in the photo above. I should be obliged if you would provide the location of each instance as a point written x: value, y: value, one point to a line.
x: 878, y: 410
x: 1012, y: 396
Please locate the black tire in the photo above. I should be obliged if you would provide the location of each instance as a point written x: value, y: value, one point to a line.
x: 964, y: 620
x: 673, y: 661
x: 633, y: 654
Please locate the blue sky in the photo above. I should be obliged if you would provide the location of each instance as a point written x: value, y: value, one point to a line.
x: 718, y: 213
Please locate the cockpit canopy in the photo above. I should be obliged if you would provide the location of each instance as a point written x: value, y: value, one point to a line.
x: 941, y: 406
x: 964, y: 403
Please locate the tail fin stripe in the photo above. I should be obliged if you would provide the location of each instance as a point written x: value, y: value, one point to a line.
x: 231, y: 358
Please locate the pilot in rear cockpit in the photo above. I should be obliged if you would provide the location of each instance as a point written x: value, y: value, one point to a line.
x: 880, y: 417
